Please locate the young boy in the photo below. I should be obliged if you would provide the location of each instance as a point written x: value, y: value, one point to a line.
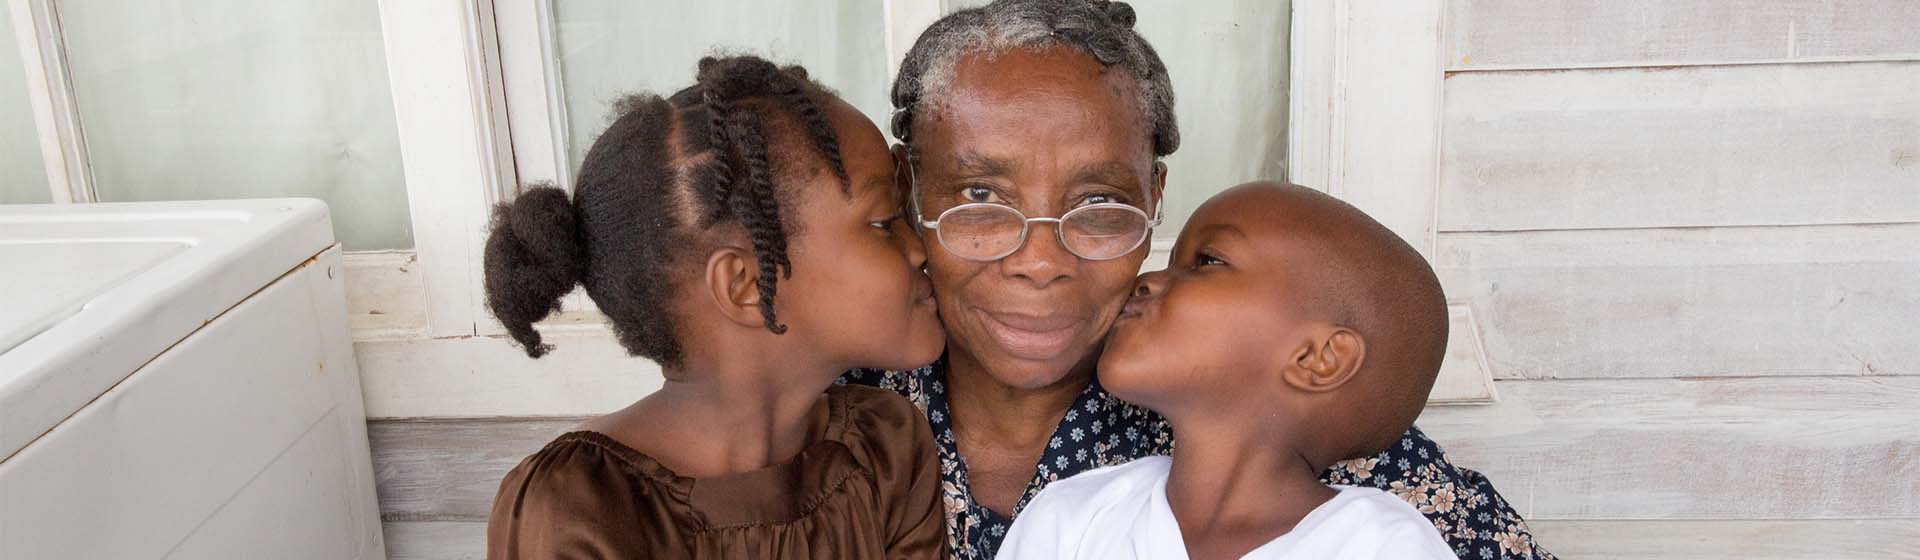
x: 1290, y: 331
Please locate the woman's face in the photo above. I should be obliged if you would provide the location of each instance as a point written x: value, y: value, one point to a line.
x: 1044, y: 131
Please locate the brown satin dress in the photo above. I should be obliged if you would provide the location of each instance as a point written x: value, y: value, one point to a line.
x: 868, y: 487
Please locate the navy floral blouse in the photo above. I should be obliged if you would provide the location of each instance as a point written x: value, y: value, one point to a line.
x: 1101, y: 430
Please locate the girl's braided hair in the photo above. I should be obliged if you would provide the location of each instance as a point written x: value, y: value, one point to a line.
x: 664, y: 174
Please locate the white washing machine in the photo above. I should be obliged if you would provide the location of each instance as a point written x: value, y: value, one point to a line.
x: 177, y: 381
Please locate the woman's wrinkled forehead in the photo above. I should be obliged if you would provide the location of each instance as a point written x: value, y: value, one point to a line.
x: 1051, y: 103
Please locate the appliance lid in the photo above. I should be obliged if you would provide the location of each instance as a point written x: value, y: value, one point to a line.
x: 90, y: 292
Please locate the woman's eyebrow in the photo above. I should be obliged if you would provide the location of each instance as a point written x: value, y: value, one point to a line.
x: 1107, y: 172
x: 975, y: 163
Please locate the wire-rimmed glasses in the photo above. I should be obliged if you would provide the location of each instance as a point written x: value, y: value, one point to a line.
x: 985, y: 231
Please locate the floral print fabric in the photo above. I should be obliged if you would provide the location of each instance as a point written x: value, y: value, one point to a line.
x: 1101, y: 430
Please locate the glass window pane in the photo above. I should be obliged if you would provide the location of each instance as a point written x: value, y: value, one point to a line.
x: 210, y: 99
x: 612, y: 47
x: 1228, y: 63
x: 23, y: 176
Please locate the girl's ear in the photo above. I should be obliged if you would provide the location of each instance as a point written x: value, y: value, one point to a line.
x: 1325, y: 361
x: 731, y: 284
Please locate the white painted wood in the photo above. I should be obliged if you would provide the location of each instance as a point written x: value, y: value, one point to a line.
x: 386, y: 296
x: 1621, y: 540
x: 246, y: 437
x: 1385, y: 138
x: 1731, y: 540
x: 1506, y: 34
x: 1728, y: 145
x: 1464, y: 377
x: 1316, y: 94
x: 1828, y: 300
x: 63, y: 145
x: 587, y: 373
x: 530, y: 76
x: 1740, y: 448
x: 436, y: 66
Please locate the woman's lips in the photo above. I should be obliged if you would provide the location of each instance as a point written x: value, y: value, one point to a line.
x: 1032, y: 336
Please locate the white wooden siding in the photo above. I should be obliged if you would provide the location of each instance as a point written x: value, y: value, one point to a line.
x: 1502, y: 34
x: 1696, y: 146
x: 1821, y: 300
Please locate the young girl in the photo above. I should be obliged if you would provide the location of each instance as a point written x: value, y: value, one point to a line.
x: 692, y: 214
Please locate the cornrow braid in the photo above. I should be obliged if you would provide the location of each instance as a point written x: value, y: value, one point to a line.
x: 665, y: 175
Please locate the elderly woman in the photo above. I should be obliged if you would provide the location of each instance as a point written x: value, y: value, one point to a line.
x: 1034, y: 132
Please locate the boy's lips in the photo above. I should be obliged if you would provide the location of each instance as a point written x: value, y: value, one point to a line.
x: 1135, y: 306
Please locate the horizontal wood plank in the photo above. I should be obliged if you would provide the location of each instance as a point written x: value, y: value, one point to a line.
x: 1892, y: 539
x: 436, y: 540
x: 587, y: 373
x: 1717, y: 146
x: 1752, y: 448
x: 1830, y: 300
x: 1495, y: 34
x: 1732, y: 540
x: 1657, y: 449
x: 449, y: 470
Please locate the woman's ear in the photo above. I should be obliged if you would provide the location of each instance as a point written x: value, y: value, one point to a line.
x: 903, y: 173
x: 731, y: 283
x: 1159, y: 187
x: 1326, y: 361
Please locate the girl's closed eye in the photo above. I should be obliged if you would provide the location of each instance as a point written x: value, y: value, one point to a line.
x: 885, y: 225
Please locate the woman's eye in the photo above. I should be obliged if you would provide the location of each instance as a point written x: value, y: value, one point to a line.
x: 1097, y: 199
x: 977, y: 193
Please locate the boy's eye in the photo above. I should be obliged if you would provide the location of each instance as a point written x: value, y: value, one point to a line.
x: 885, y: 224
x: 1205, y: 258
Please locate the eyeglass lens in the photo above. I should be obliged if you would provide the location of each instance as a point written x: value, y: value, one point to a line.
x: 991, y: 231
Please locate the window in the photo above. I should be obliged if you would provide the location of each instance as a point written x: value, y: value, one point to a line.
x: 22, y: 180
x: 220, y: 99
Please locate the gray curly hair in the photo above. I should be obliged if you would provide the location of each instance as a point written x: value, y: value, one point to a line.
x: 1102, y: 29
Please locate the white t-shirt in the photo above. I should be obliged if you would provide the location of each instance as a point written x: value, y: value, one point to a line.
x: 1122, y: 512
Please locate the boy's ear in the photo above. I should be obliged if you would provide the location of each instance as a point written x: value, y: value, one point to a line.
x: 732, y: 273
x: 1327, y: 360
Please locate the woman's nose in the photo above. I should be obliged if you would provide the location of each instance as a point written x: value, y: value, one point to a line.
x: 1041, y: 261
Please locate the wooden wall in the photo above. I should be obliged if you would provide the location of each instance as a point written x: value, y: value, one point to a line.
x: 1689, y: 233
x: 1689, y: 237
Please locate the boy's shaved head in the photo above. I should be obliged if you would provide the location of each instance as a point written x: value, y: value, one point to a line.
x: 1288, y: 312
x: 1360, y: 275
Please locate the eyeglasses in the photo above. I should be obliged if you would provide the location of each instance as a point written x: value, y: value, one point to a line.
x: 983, y: 231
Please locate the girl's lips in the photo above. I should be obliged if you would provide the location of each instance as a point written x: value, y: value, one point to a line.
x: 1034, y: 337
